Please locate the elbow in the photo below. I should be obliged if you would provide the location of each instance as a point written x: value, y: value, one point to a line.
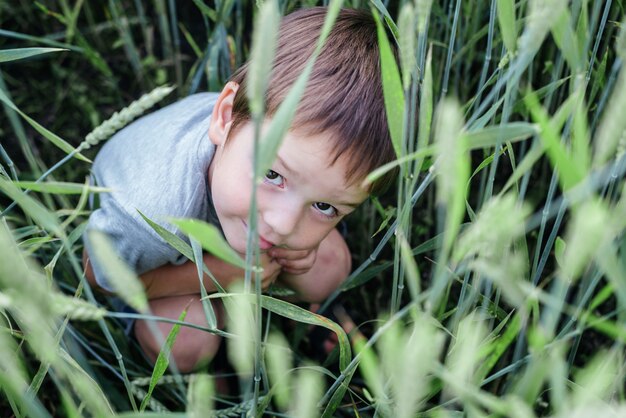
x: 89, y: 274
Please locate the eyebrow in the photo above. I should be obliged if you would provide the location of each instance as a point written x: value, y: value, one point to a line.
x: 352, y: 205
x: 282, y: 162
x: 349, y: 204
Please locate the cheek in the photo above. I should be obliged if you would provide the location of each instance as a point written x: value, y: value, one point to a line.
x: 231, y: 194
x: 311, y: 233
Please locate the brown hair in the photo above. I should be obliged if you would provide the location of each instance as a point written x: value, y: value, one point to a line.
x: 344, y: 94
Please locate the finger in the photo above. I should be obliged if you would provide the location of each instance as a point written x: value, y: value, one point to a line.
x: 295, y: 264
x: 268, y: 281
x: 270, y: 266
x: 288, y: 254
x: 295, y: 271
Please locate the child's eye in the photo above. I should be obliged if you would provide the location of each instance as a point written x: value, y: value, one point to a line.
x: 325, y: 209
x: 274, y: 178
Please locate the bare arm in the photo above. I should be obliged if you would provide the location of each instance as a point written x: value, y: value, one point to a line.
x: 173, y: 280
x: 331, y: 267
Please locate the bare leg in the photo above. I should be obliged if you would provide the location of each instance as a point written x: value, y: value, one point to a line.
x: 192, y: 347
x: 331, y: 268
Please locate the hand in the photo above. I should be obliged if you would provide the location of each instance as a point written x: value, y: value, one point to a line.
x: 294, y: 261
x: 271, y: 270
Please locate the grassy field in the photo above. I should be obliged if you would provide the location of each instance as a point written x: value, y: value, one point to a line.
x: 490, y: 281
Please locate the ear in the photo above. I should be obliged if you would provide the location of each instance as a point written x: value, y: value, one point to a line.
x: 222, y: 116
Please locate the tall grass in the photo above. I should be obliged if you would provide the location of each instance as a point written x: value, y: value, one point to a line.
x: 505, y: 227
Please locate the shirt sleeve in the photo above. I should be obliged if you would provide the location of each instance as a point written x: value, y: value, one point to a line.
x: 131, y: 240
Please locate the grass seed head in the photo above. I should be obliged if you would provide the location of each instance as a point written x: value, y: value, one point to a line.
x: 465, y: 354
x: 200, y: 396
x: 76, y: 309
x: 406, y: 29
x: 241, y: 324
x: 124, y: 117
x: 588, y: 231
x: 308, y: 393
x: 121, y: 277
x: 597, y: 380
x: 279, y: 363
x: 539, y: 20
x: 497, y: 225
x: 422, y: 11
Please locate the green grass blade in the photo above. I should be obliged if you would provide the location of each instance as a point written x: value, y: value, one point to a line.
x: 172, y: 239
x: 163, y: 360
x: 569, y: 173
x: 368, y: 274
x: 613, y: 124
x: 207, y: 306
x: 179, y: 244
x: 122, y: 279
x: 88, y: 391
x: 380, y: 171
x: 14, y: 385
x: 279, y: 364
x: 388, y: 19
x: 308, y: 390
x: 422, y: 9
x: 41, y: 40
x: 58, y: 187
x: 392, y: 89
x: 54, y: 139
x: 453, y: 166
x: 500, y: 344
x: 200, y: 396
x: 337, y: 396
x: 411, y: 270
x: 42, y: 216
x: 281, y: 121
x: 406, y: 28
x: 21, y: 53
x: 565, y: 38
x: 508, y: 28
x: 426, y: 103
x: 262, y: 56
x: 613, y: 269
x: 211, y: 240
x: 369, y: 365
x: 529, y: 161
x: 491, y: 135
x: 296, y: 313
x: 451, y: 47
x: 581, y: 151
x: 206, y: 10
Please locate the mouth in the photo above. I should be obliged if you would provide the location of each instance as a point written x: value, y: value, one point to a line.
x: 263, y: 243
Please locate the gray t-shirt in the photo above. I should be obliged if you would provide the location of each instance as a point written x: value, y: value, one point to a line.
x: 157, y: 165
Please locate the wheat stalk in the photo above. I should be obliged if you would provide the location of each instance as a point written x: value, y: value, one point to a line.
x: 106, y: 129
x: 236, y: 410
x: 76, y: 309
x: 125, y: 116
x: 165, y: 379
x: 153, y: 404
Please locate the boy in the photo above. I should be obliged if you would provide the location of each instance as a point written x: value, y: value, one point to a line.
x: 164, y: 165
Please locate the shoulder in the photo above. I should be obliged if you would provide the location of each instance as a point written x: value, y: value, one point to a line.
x: 152, y: 143
x: 158, y: 164
x: 161, y: 127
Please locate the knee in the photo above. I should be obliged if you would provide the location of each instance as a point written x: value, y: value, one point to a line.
x: 337, y: 262
x: 192, y: 347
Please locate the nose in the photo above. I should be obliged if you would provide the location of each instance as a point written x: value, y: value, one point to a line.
x: 282, y: 218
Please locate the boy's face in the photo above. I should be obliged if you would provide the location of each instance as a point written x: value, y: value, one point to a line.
x: 300, y: 200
